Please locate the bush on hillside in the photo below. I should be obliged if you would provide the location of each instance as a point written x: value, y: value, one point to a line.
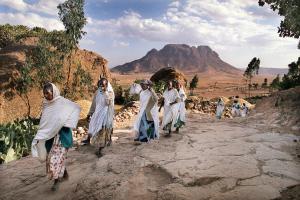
x: 16, y: 138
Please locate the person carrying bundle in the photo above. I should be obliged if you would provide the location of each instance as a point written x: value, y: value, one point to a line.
x: 54, y: 137
x: 146, y: 126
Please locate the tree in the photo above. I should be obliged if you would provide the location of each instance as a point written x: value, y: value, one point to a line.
x: 71, y: 13
x: 276, y: 82
x: 194, y: 84
x: 265, y: 83
x: 290, y: 10
x: 23, y: 82
x: 251, y: 70
x: 82, y: 80
x: 48, y: 59
x: 292, y: 78
x: 255, y: 86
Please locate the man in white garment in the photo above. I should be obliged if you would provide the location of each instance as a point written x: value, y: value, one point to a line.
x: 170, y: 99
x: 147, y: 123
x: 181, y: 106
x: 101, y: 116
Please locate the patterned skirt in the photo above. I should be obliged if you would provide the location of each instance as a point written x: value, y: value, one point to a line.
x: 56, y: 160
x: 102, y: 138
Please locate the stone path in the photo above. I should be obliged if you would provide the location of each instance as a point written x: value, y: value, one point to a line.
x: 209, y: 159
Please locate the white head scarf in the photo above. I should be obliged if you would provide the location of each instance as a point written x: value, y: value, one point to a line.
x: 56, y: 113
x: 55, y: 93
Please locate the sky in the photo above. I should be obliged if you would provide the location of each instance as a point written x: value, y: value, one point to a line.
x: 125, y: 30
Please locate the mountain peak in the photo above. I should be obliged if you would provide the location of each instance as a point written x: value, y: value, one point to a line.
x: 180, y: 56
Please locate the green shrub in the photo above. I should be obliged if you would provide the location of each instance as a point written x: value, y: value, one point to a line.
x: 16, y: 138
x: 159, y: 87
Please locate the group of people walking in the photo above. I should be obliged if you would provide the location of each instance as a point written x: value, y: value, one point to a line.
x: 146, y: 126
x: 60, y: 116
x: 237, y: 110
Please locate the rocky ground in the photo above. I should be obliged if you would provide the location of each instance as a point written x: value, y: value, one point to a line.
x: 209, y: 159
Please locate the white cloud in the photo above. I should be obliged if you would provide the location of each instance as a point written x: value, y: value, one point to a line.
x: 15, y: 4
x: 43, y: 13
x: 46, y: 6
x: 120, y: 43
x: 85, y: 41
x: 175, y: 4
x: 31, y: 20
x: 42, y: 6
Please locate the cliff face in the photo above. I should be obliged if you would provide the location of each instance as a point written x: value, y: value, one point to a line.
x: 180, y: 56
x: 13, y: 57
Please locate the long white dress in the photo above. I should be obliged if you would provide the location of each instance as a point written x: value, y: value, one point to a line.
x: 102, y: 111
x: 170, y: 111
x: 244, y: 111
x: 235, y: 110
x: 145, y: 97
x: 220, y: 109
x: 181, y: 104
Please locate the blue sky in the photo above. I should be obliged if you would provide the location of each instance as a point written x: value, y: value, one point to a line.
x: 125, y: 30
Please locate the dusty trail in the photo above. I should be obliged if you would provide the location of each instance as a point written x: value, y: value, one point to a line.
x: 209, y: 159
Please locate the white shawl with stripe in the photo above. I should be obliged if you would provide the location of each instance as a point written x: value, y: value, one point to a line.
x: 57, y: 113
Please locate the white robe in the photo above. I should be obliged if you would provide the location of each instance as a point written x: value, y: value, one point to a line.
x: 57, y: 113
x: 145, y: 95
x: 220, y: 108
x: 171, y: 112
x: 244, y: 111
x: 181, y: 104
x: 104, y: 111
x: 235, y: 110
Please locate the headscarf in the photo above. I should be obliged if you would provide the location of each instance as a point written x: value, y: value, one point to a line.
x: 146, y: 82
x: 55, y: 93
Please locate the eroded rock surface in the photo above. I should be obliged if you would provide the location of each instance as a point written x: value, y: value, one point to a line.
x: 208, y: 159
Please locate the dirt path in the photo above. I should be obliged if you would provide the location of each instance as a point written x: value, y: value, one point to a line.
x: 209, y: 159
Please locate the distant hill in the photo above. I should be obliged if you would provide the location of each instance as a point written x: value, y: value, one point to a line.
x: 273, y: 71
x: 180, y: 56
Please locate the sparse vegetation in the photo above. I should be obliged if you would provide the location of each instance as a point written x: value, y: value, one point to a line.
x: 82, y: 81
x: 159, y: 87
x: 193, y: 84
x: 265, y: 83
x: 276, y: 82
x: 251, y: 70
x: 16, y: 138
x: 10, y: 34
x: 292, y: 78
x: 71, y: 13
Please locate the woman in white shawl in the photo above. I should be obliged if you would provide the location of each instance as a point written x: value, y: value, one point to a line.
x: 235, y: 110
x: 220, y: 108
x: 170, y: 99
x: 101, y: 116
x: 244, y: 110
x: 147, y: 123
x: 181, y: 106
x: 54, y: 136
